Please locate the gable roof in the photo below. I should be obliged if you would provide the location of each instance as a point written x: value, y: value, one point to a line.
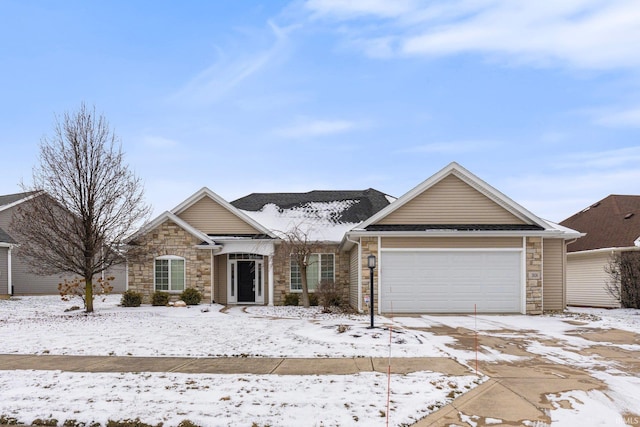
x: 166, y: 215
x: 326, y: 215
x: 205, y: 192
x: 10, y: 200
x: 364, y: 203
x: 613, y: 222
x: 470, y: 179
x: 532, y: 224
x: 6, y: 238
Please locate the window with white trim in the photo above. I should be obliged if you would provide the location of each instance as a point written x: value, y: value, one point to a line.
x: 319, y: 267
x: 169, y: 273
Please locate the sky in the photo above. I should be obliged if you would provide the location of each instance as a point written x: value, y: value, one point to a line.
x: 539, y: 99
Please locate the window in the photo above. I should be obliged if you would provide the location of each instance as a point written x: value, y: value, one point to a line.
x: 169, y: 273
x: 319, y: 267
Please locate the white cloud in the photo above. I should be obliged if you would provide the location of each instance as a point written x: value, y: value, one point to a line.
x: 159, y: 142
x: 315, y: 128
x: 606, y: 159
x: 589, y: 34
x: 228, y: 72
x: 620, y: 118
x: 451, y: 147
x: 353, y: 8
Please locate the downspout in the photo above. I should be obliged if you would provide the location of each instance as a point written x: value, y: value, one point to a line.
x: 213, y: 266
x: 359, y: 272
x: 9, y: 277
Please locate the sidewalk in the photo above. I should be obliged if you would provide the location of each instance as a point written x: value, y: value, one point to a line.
x: 232, y: 365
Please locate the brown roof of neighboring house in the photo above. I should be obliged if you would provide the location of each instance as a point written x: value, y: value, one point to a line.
x: 613, y: 222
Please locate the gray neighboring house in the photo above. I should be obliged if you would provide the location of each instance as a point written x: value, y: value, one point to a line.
x: 16, y: 275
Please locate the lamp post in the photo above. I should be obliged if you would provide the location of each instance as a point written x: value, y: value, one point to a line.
x: 371, y: 262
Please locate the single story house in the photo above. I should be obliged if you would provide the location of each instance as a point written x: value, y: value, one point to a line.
x: 16, y: 275
x: 612, y: 225
x: 453, y: 244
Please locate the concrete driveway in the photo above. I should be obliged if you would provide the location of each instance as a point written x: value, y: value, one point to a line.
x: 533, y: 370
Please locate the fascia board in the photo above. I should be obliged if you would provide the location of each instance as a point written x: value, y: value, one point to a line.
x: 204, y: 191
x: 451, y: 233
x: 17, y: 202
x: 181, y: 223
x: 601, y: 250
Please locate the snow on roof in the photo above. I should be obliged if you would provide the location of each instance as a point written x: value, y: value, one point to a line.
x: 320, y: 220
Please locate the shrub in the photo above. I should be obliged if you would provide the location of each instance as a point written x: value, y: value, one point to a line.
x: 329, y: 294
x: 313, y: 299
x: 291, y: 299
x: 131, y: 299
x: 130, y: 423
x: 191, y: 296
x: 187, y: 423
x: 40, y: 422
x: 160, y: 298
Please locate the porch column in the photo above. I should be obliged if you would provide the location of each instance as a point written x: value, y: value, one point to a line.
x: 271, y: 290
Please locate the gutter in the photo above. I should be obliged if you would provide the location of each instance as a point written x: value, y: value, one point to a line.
x: 454, y: 233
x: 604, y: 250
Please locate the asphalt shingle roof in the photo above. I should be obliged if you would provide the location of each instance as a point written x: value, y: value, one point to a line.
x: 366, y: 202
x: 11, y: 198
x: 5, y: 238
x: 613, y: 222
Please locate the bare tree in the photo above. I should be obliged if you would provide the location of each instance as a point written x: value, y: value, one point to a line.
x: 624, y: 278
x: 86, y: 201
x: 296, y: 248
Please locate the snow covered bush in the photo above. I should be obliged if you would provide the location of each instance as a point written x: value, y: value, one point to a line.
x: 131, y: 299
x: 160, y: 298
x: 291, y: 299
x: 191, y: 296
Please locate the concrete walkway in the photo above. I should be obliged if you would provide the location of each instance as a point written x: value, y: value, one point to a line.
x: 232, y: 365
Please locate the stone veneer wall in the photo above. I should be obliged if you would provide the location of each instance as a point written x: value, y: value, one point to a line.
x: 369, y: 246
x: 170, y: 239
x: 534, y: 275
x: 282, y: 274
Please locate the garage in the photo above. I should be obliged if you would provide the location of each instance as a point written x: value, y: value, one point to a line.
x: 451, y: 281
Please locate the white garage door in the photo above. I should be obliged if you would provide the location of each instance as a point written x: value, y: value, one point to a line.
x: 451, y: 281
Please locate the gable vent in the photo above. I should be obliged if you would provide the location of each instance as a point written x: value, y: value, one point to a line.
x: 629, y: 215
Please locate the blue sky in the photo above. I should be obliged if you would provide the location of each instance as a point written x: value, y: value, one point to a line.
x: 539, y: 99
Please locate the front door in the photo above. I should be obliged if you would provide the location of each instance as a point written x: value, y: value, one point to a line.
x: 246, y: 281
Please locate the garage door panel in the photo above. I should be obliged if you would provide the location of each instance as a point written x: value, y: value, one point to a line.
x: 451, y: 281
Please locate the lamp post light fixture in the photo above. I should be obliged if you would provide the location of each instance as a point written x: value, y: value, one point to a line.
x: 371, y: 262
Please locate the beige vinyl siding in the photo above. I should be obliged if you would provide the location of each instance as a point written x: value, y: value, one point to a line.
x: 451, y: 242
x: 354, y: 267
x: 4, y: 272
x: 210, y: 217
x: 220, y: 279
x: 587, y: 280
x: 119, y: 274
x: 451, y: 201
x: 553, y: 252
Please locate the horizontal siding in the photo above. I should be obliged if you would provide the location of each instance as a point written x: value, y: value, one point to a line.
x: 26, y: 282
x: 451, y: 242
x: 553, y: 274
x: 587, y: 280
x: 220, y: 279
x: 451, y: 201
x: 353, y: 277
x: 4, y: 272
x: 119, y: 274
x: 210, y: 217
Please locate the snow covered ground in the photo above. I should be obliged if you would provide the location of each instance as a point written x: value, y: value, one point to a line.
x: 40, y: 325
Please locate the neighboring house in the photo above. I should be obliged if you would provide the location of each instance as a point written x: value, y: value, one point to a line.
x: 6, y: 245
x: 612, y: 225
x: 453, y: 244
x: 19, y: 276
